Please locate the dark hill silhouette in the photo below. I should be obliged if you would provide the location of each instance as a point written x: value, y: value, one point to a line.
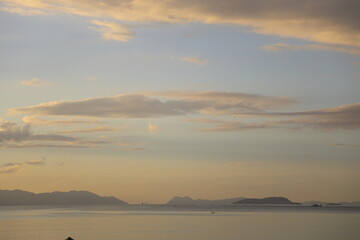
x: 19, y: 197
x: 268, y: 200
x: 189, y: 201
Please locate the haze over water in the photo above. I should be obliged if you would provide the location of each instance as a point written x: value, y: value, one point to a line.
x: 180, y: 223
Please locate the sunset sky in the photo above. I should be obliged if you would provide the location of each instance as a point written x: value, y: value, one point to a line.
x: 148, y: 99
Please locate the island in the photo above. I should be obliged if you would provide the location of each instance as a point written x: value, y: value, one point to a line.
x: 268, y: 200
x: 19, y: 197
x: 189, y: 201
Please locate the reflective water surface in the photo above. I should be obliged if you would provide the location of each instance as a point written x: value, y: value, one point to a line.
x: 156, y: 222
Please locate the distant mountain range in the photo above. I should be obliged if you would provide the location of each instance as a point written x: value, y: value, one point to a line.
x: 19, y: 197
x: 189, y: 201
x: 268, y: 200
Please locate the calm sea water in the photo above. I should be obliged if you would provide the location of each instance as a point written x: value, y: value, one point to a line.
x: 180, y: 223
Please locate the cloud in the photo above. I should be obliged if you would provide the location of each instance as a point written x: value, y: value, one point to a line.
x: 343, y: 117
x: 324, y: 21
x: 135, y: 149
x: 60, y: 164
x: 91, y: 130
x: 113, y: 31
x: 153, y: 128
x: 34, y: 120
x: 23, y: 11
x: 14, y: 136
x: 298, y: 47
x: 346, y: 145
x: 40, y: 161
x: 145, y: 106
x: 42, y: 145
x: 10, y: 131
x: 129, y: 144
x: 258, y: 108
x: 35, y: 82
x: 10, y: 168
x: 225, y: 102
x: 237, y: 126
x: 195, y: 60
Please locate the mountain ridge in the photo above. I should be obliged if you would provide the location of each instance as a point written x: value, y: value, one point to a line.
x: 20, y: 197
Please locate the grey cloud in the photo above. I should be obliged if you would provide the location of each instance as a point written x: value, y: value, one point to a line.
x: 123, y: 106
x: 40, y: 161
x: 237, y: 126
x: 326, y: 21
x: 244, y: 101
x: 34, y: 120
x: 342, y: 117
x: 191, y: 102
x: 131, y: 143
x: 10, y: 131
x: 143, y: 106
x: 91, y: 130
x: 297, y: 47
x: 14, y: 136
x: 10, y: 168
x: 135, y: 149
x: 345, y: 117
x: 41, y: 145
x: 53, y: 137
x: 346, y: 145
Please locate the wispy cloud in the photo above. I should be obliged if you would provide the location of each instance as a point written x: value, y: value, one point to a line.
x: 35, y: 120
x: 298, y: 47
x: 23, y: 11
x: 346, y: 145
x: 44, y: 145
x: 90, y: 130
x: 153, y: 128
x: 14, y: 136
x: 195, y: 60
x: 129, y: 143
x: 177, y: 103
x: 10, y: 168
x: 114, y: 31
x: 317, y: 21
x: 39, y: 161
x: 342, y: 117
x: 145, y: 105
x: 36, y: 82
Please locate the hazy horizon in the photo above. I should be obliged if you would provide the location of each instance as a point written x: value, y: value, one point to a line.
x: 184, y: 196
x: 145, y: 100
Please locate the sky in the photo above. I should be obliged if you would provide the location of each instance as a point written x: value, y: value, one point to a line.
x: 149, y: 99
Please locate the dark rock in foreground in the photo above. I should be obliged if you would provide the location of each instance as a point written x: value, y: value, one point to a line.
x: 19, y: 197
x: 268, y: 200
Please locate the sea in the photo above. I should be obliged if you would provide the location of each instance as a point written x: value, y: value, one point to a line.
x: 163, y: 222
